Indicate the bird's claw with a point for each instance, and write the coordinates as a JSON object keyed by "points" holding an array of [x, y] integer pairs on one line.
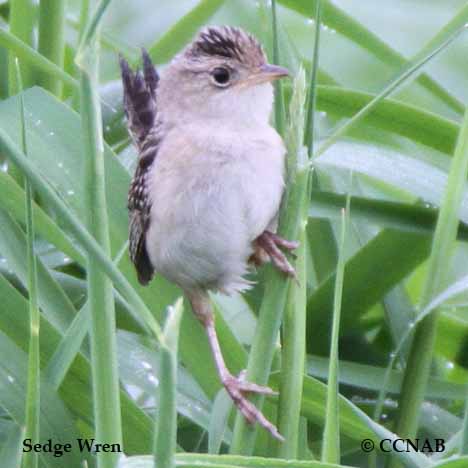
{"points": [[272, 244], [237, 387]]}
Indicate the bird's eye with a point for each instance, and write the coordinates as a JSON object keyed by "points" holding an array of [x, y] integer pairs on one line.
{"points": [[221, 76]]}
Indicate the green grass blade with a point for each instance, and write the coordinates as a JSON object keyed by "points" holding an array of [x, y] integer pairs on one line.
{"points": [[13, 201], [293, 357], [464, 433], [222, 407], [420, 357], [87, 241], [312, 96], [90, 32], [401, 216], [190, 460], [404, 75], [398, 254], [339, 20], [69, 347], [166, 422], [33, 395], [52, 41], [395, 116], [294, 323], [279, 97], [22, 20], [179, 34], [28, 55], [292, 215], [331, 434], [106, 401]]}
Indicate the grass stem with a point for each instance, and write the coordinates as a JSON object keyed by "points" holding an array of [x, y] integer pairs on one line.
{"points": [[420, 356], [52, 41], [106, 395], [33, 393]]}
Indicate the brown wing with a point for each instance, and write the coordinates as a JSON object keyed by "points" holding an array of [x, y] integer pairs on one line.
{"points": [[140, 109]]}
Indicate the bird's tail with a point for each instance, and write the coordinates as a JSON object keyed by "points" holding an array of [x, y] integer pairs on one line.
{"points": [[140, 97]]}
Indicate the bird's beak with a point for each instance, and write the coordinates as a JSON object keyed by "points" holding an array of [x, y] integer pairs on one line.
{"points": [[270, 72], [264, 74]]}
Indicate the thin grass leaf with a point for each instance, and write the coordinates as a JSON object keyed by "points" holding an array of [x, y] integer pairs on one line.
{"points": [[337, 19], [21, 22], [312, 96], [293, 357], [165, 439], [401, 216], [367, 377], [219, 417], [404, 75], [28, 55], [331, 434], [189, 460], [87, 241], [90, 32], [13, 201], [293, 214], [33, 395], [75, 389], [279, 97], [69, 347], [420, 357], [294, 326], [107, 420], [52, 41]]}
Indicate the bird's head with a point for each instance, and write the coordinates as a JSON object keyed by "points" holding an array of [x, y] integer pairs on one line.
{"points": [[222, 74]]}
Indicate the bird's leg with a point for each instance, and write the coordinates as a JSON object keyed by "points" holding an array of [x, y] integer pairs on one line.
{"points": [[272, 244], [236, 387]]}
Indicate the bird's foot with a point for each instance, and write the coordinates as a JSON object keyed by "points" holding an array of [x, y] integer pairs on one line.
{"points": [[237, 388], [272, 244]]}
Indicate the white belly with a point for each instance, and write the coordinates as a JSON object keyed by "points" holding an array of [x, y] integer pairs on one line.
{"points": [[208, 207]]}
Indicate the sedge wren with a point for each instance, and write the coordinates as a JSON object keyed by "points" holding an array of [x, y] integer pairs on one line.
{"points": [[204, 200]]}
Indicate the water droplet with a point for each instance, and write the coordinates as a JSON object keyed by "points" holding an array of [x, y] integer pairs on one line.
{"points": [[310, 21], [107, 128], [51, 133], [146, 365], [411, 325], [392, 355], [60, 164], [384, 416], [10, 378], [66, 259], [70, 193], [38, 122], [153, 379], [449, 365], [4, 166]]}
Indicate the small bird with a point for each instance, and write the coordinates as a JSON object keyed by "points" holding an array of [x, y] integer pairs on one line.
{"points": [[204, 200]]}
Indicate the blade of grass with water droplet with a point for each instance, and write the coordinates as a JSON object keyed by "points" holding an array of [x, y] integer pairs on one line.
{"points": [[106, 396], [420, 356], [33, 394], [339, 20], [166, 419], [403, 76], [331, 434]]}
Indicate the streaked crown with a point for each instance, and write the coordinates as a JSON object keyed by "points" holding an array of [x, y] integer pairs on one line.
{"points": [[227, 42]]}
